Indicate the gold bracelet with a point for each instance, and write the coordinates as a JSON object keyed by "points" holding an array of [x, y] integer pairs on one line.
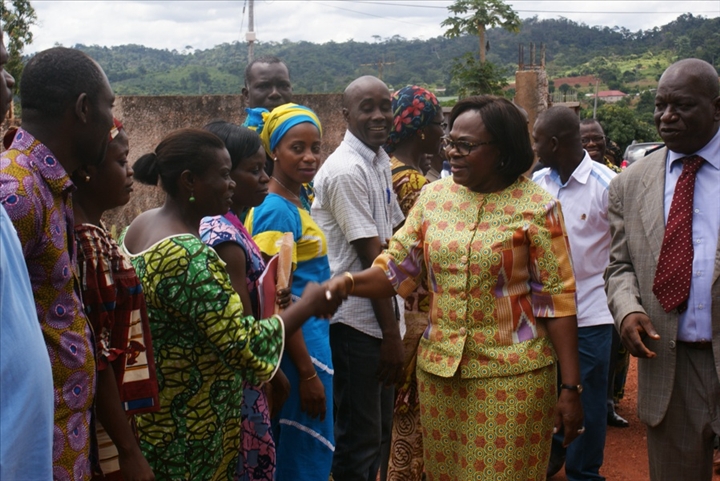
{"points": [[352, 280], [311, 377]]}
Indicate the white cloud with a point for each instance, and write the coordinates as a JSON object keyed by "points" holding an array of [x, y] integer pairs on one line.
{"points": [[204, 24]]}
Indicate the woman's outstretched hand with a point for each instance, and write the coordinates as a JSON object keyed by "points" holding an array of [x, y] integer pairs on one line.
{"points": [[323, 299]]}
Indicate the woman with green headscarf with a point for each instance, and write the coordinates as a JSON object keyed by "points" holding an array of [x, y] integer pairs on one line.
{"points": [[303, 431]]}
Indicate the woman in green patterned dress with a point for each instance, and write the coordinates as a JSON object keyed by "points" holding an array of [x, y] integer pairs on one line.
{"points": [[204, 345], [490, 247]]}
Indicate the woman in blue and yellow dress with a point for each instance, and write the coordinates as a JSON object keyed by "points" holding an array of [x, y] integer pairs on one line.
{"points": [[304, 429]]}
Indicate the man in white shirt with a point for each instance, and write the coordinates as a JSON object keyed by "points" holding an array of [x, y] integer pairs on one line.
{"points": [[356, 208], [581, 185]]}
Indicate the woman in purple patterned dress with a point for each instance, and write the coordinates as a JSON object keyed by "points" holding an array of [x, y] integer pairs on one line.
{"points": [[227, 235]]}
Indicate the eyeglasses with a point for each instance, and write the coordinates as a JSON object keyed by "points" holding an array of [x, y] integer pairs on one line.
{"points": [[594, 140], [441, 124], [462, 147]]}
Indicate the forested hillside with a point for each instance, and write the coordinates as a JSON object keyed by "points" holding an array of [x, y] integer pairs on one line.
{"points": [[622, 59]]}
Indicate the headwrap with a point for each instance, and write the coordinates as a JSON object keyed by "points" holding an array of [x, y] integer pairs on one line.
{"points": [[274, 125], [254, 118], [115, 130], [413, 108]]}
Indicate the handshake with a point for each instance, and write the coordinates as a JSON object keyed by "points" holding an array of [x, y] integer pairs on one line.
{"points": [[326, 298]]}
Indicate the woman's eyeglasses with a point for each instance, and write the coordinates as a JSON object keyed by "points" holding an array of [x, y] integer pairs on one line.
{"points": [[462, 147], [441, 124]]}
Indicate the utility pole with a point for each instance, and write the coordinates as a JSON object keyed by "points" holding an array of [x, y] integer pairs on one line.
{"points": [[597, 83], [250, 35]]}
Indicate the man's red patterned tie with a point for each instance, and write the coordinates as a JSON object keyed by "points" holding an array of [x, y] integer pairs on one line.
{"points": [[674, 270]]}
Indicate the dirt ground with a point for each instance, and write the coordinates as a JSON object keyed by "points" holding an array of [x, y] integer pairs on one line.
{"points": [[626, 448]]}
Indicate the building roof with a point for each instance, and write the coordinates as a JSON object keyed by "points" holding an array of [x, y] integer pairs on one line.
{"points": [[611, 93]]}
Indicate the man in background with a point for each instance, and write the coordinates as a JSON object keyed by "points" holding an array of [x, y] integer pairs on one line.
{"points": [[581, 186], [26, 389], [67, 114], [594, 141], [357, 209], [267, 83]]}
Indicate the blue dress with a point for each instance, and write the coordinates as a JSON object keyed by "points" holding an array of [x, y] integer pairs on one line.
{"points": [[304, 445]]}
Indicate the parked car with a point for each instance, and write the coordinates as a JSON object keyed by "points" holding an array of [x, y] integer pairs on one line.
{"points": [[636, 151]]}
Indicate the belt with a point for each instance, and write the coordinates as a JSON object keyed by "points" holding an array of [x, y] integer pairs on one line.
{"points": [[700, 345]]}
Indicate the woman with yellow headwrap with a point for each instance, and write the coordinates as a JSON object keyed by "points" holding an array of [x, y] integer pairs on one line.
{"points": [[303, 431]]}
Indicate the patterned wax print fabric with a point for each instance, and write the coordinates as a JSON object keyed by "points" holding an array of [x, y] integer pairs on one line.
{"points": [[305, 445], [36, 192], [277, 123], [26, 408], [204, 349], [413, 108], [114, 303], [407, 184], [493, 263], [406, 448], [610, 165], [257, 450], [487, 428]]}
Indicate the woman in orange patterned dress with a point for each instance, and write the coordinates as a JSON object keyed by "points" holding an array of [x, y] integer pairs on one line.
{"points": [[490, 247], [418, 126]]}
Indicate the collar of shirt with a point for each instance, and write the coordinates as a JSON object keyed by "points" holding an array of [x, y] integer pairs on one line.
{"points": [[580, 174], [364, 151], [710, 152], [44, 161]]}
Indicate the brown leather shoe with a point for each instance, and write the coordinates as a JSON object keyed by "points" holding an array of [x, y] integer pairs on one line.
{"points": [[716, 461]]}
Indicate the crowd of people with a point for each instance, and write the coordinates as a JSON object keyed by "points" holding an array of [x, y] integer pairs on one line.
{"points": [[475, 326]]}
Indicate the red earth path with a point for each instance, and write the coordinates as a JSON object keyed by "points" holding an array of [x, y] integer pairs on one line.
{"points": [[626, 448]]}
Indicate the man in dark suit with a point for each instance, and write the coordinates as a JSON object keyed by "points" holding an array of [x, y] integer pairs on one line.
{"points": [[662, 282]]}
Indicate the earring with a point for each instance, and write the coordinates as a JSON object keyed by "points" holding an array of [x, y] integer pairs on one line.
{"points": [[422, 135], [87, 178], [192, 196], [274, 159]]}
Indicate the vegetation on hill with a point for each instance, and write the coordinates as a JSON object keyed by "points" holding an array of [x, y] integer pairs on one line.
{"points": [[621, 59]]}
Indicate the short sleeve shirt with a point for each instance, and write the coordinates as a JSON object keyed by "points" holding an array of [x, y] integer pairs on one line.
{"points": [[354, 199], [584, 199]]}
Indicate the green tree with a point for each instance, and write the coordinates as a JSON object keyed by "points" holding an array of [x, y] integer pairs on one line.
{"points": [[17, 18], [475, 16], [646, 103], [471, 77], [622, 125]]}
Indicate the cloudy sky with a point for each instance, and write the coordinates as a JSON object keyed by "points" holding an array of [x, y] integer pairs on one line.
{"points": [[203, 24]]}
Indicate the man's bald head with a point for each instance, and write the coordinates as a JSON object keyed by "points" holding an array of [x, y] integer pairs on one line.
{"points": [[556, 139], [560, 122], [360, 85], [367, 108], [704, 73]]}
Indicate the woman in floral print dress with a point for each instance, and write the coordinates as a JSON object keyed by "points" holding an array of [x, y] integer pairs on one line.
{"points": [[205, 345]]}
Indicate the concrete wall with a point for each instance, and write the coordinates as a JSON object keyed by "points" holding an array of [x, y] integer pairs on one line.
{"points": [[149, 119], [531, 92]]}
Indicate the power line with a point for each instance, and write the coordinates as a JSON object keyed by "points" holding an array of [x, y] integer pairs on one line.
{"points": [[414, 4], [373, 15]]}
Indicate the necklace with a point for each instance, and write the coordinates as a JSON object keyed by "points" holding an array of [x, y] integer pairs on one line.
{"points": [[288, 190]]}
